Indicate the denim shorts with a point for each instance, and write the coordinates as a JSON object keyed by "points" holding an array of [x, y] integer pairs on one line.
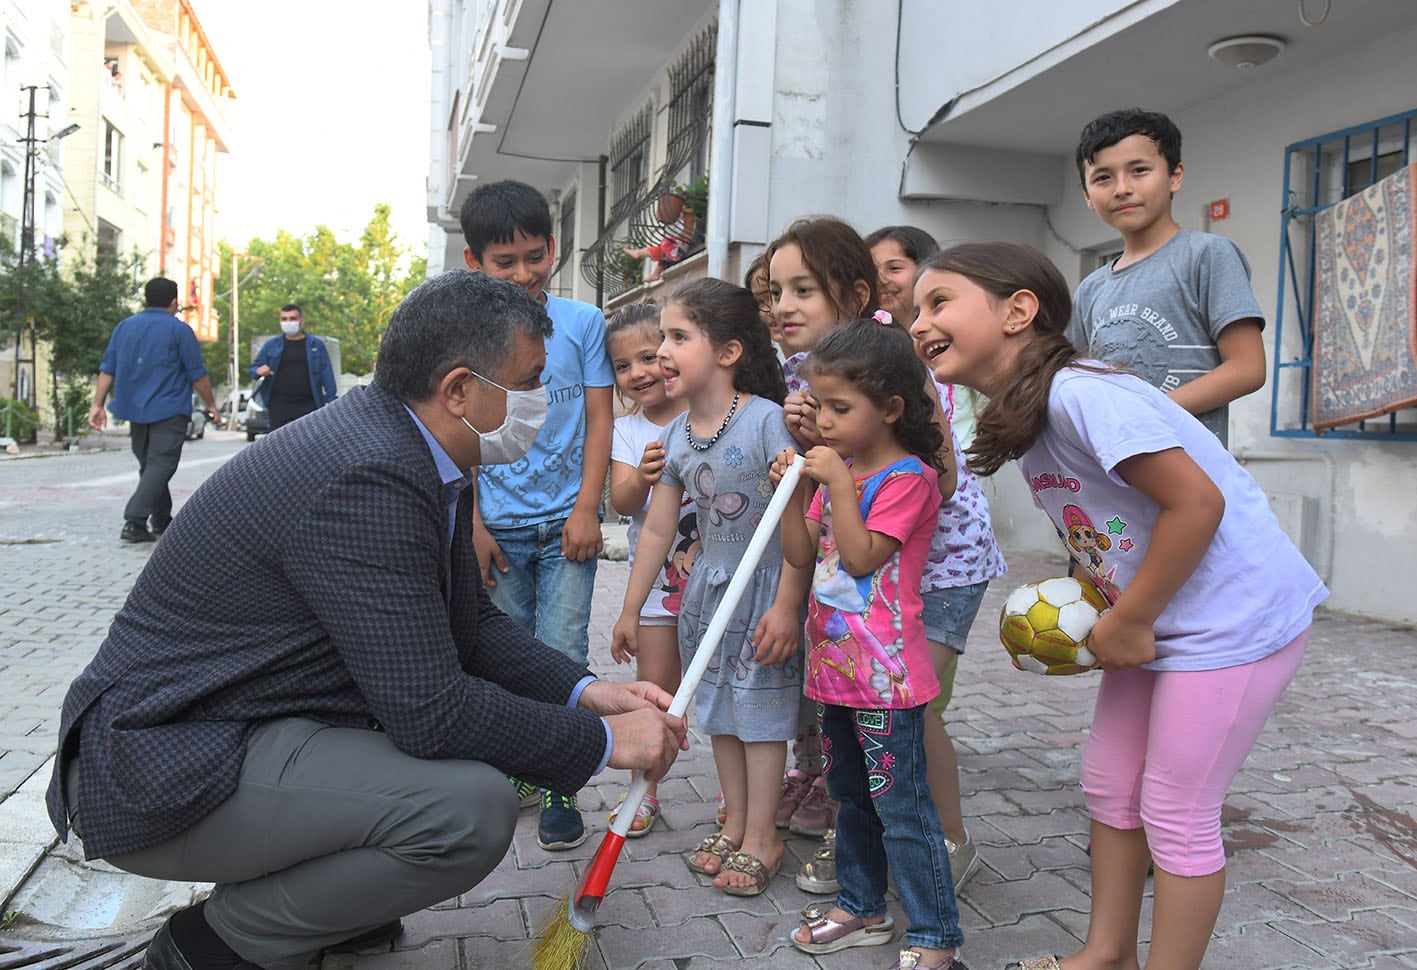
{"points": [[949, 613]]}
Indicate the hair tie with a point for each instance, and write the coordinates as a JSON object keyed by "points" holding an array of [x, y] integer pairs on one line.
{"points": [[883, 317]]}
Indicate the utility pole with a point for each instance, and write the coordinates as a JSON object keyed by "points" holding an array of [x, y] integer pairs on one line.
{"points": [[235, 346], [26, 390]]}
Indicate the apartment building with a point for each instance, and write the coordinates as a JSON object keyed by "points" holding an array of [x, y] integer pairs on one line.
{"points": [[962, 118]]}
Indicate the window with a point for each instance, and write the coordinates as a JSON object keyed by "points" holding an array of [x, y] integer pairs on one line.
{"points": [[1320, 173], [566, 234], [112, 157], [629, 163], [109, 238], [691, 108]]}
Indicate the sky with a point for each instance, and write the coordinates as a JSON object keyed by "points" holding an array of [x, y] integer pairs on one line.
{"points": [[330, 116]]}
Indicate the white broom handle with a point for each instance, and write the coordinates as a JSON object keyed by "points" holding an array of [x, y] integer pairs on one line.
{"points": [[742, 574]]}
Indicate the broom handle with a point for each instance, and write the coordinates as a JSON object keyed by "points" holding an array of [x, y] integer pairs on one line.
{"points": [[742, 573]]}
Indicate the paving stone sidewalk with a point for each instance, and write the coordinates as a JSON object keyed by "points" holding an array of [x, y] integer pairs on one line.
{"points": [[1319, 825]]}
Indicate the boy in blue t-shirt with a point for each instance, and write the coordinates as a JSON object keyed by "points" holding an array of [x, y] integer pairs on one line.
{"points": [[537, 521], [1176, 306]]}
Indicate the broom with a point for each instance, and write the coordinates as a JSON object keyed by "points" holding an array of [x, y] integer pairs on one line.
{"points": [[563, 937]]}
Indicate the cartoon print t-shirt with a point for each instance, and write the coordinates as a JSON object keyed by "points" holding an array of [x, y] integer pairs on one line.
{"points": [[866, 646], [632, 433], [1252, 592]]}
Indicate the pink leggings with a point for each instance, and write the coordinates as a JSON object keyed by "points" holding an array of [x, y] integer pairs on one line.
{"points": [[1165, 746]]}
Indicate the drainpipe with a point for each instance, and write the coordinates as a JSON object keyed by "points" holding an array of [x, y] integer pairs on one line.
{"points": [[725, 85], [602, 166]]}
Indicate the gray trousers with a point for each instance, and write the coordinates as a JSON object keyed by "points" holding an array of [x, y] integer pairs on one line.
{"points": [[331, 832], [158, 448]]}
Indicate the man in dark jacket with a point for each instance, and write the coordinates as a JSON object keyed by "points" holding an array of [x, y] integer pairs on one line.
{"points": [[299, 377], [326, 735]]}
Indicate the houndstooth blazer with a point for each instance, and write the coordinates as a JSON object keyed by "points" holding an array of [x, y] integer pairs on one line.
{"points": [[310, 576]]}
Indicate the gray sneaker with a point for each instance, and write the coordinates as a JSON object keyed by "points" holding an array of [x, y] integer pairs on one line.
{"points": [[964, 860]]}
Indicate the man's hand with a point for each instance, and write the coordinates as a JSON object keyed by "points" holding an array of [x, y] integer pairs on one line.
{"points": [[647, 741], [489, 554], [580, 537], [98, 417], [605, 697], [214, 417], [264, 371]]}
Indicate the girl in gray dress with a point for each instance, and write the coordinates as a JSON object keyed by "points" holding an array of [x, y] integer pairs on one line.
{"points": [[718, 357]]}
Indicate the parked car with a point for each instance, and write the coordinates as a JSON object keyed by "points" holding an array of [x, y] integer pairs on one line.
{"points": [[197, 423], [258, 419]]}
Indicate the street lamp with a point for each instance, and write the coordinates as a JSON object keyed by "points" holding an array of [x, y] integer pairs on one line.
{"points": [[235, 346], [31, 142]]}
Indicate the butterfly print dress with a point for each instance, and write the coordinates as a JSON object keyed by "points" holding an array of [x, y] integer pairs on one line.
{"points": [[730, 488]]}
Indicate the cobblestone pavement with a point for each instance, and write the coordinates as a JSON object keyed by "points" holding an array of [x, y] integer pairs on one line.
{"points": [[1319, 826]]}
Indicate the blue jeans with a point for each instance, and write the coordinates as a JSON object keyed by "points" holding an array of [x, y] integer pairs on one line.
{"points": [[876, 770], [542, 590]]}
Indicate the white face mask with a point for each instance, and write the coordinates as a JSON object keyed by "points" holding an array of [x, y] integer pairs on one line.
{"points": [[526, 413], [290, 327]]}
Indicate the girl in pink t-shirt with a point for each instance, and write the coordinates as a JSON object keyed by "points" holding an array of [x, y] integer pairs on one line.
{"points": [[867, 512]]}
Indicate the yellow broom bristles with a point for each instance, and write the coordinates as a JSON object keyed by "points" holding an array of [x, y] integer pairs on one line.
{"points": [[559, 945]]}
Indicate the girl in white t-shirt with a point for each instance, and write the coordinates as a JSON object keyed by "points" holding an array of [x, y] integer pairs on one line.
{"points": [[1211, 602], [636, 460]]}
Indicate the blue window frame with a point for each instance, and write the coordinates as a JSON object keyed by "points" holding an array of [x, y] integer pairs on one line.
{"points": [[1319, 173]]}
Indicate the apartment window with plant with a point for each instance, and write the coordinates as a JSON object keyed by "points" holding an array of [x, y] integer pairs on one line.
{"points": [[691, 108], [112, 174]]}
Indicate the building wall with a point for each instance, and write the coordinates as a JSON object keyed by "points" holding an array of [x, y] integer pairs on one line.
{"points": [[32, 52], [1361, 526]]}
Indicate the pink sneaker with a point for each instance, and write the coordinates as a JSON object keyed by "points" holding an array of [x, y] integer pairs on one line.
{"points": [[795, 785], [816, 813]]}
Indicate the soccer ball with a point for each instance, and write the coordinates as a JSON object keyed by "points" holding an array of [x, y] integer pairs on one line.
{"points": [[1044, 625]]}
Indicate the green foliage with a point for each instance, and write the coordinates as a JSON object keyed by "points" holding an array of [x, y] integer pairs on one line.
{"points": [[347, 291], [74, 300], [72, 414], [695, 195], [624, 267], [17, 419]]}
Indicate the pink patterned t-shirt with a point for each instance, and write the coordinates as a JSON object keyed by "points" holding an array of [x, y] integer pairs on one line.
{"points": [[866, 646]]}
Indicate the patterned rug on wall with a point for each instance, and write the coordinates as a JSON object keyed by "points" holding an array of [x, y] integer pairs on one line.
{"points": [[1365, 319]]}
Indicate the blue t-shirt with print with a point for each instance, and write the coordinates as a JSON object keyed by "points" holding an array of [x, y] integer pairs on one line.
{"points": [[543, 486]]}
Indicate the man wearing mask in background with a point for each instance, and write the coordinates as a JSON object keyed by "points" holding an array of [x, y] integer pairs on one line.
{"points": [[297, 369], [328, 743]]}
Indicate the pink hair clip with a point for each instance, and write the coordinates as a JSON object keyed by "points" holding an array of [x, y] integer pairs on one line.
{"points": [[883, 317]]}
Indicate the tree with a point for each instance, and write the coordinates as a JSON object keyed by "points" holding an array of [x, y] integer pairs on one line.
{"points": [[346, 290], [74, 309]]}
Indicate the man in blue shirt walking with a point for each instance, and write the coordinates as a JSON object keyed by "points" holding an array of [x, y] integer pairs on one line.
{"points": [[152, 366]]}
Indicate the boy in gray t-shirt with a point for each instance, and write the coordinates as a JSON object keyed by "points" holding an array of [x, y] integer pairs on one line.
{"points": [[1176, 306]]}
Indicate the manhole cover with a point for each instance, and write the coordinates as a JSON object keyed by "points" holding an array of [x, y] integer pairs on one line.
{"points": [[124, 953]]}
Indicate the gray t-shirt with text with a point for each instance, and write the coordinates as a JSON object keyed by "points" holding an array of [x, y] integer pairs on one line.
{"points": [[1161, 316]]}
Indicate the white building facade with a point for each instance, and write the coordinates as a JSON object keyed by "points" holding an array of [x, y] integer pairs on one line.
{"points": [[962, 118]]}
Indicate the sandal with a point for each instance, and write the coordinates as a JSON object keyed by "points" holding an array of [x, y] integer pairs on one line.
{"points": [[910, 960], [1036, 963], [828, 936], [751, 866], [718, 845], [722, 810], [645, 815]]}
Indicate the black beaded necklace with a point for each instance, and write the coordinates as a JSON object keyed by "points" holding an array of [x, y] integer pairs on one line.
{"points": [[693, 442]]}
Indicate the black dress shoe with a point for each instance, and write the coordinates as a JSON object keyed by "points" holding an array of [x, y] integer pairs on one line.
{"points": [[381, 935], [162, 951], [158, 528], [136, 532], [163, 954]]}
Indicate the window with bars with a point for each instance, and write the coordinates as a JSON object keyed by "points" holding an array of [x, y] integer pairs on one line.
{"points": [[691, 106], [629, 162], [566, 233], [1320, 173]]}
